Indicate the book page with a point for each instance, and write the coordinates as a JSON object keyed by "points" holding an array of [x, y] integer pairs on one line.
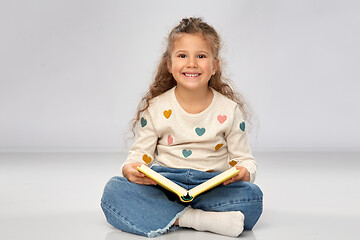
{"points": [[163, 181]]}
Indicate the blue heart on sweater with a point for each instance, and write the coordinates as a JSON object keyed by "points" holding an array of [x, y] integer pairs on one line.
{"points": [[200, 131], [186, 153], [143, 122], [242, 126]]}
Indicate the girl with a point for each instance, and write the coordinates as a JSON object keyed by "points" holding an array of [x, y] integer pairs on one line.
{"points": [[190, 127]]}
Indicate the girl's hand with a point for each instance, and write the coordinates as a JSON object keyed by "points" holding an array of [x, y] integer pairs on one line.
{"points": [[131, 172], [243, 176]]}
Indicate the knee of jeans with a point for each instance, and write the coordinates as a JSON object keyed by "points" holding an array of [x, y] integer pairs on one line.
{"points": [[113, 187], [254, 191]]}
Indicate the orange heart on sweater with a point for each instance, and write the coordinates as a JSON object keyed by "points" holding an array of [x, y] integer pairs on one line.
{"points": [[147, 159], [167, 113], [217, 147], [233, 163]]}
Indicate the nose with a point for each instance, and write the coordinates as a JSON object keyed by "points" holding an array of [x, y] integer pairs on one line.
{"points": [[192, 63]]}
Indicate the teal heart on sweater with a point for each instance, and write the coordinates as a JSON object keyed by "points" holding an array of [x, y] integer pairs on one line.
{"points": [[186, 152], [242, 126], [200, 131], [143, 122]]}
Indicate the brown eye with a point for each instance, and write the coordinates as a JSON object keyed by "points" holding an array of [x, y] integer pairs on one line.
{"points": [[202, 56], [182, 56]]}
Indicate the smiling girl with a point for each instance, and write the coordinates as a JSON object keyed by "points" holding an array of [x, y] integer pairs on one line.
{"points": [[190, 126]]}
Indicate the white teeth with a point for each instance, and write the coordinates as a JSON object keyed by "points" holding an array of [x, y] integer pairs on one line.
{"points": [[191, 75]]}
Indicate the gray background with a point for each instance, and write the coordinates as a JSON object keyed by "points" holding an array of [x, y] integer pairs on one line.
{"points": [[73, 72]]}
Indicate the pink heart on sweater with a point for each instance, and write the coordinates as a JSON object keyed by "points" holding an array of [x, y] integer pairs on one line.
{"points": [[170, 140], [221, 118]]}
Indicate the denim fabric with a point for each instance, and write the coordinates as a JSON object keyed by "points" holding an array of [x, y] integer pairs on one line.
{"points": [[151, 210]]}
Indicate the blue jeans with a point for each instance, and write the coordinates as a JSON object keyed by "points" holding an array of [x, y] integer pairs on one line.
{"points": [[151, 210]]}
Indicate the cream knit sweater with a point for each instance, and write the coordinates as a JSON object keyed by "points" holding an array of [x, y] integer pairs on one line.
{"points": [[212, 140]]}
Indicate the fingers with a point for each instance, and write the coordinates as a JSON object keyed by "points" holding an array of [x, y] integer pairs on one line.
{"points": [[234, 179], [243, 175], [137, 173], [143, 181], [133, 175], [140, 179], [226, 182]]}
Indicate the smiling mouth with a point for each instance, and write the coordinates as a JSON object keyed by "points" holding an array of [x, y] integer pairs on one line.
{"points": [[191, 74]]}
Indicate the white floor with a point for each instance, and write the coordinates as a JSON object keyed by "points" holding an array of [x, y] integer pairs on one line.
{"points": [[57, 196]]}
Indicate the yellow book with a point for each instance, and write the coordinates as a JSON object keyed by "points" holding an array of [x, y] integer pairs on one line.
{"points": [[184, 195]]}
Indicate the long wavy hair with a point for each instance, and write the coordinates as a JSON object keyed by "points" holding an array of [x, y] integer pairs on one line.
{"points": [[164, 80]]}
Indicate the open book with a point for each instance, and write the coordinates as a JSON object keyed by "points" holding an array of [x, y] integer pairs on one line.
{"points": [[184, 195]]}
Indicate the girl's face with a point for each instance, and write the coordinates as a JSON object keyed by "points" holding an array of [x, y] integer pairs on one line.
{"points": [[192, 62]]}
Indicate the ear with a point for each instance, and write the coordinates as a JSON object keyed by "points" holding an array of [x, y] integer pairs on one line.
{"points": [[168, 63], [216, 66]]}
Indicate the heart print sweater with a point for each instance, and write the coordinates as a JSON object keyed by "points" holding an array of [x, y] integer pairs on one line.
{"points": [[212, 140]]}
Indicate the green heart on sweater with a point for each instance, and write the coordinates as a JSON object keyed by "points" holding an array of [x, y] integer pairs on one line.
{"points": [[143, 122], [200, 131], [186, 153], [242, 126]]}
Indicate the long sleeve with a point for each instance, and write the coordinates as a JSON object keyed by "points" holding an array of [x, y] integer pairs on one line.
{"points": [[143, 149], [239, 147]]}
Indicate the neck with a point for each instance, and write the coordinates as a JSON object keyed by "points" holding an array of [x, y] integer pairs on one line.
{"points": [[194, 101], [192, 96]]}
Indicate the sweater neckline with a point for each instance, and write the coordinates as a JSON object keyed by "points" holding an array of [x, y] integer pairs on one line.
{"points": [[193, 115]]}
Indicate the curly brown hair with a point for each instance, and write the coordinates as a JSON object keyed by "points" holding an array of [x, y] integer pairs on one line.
{"points": [[164, 80]]}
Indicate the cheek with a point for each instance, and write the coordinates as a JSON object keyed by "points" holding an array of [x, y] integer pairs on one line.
{"points": [[175, 68], [210, 68]]}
